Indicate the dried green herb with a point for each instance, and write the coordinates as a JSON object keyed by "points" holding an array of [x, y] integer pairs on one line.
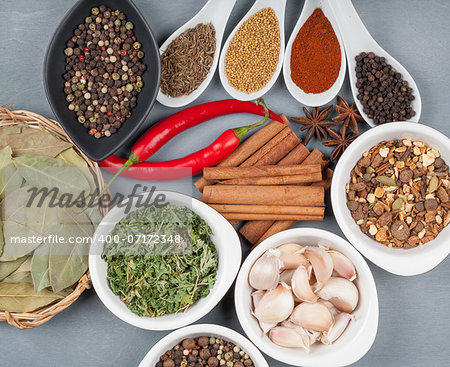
{"points": [[21, 297], [31, 141], [187, 60], [155, 285]]}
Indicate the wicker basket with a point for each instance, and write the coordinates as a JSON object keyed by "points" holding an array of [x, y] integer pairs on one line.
{"points": [[38, 317]]}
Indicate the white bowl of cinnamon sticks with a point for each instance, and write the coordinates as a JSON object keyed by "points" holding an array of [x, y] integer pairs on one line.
{"points": [[358, 336], [270, 181]]}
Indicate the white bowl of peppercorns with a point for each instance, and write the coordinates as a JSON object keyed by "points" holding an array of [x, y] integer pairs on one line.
{"points": [[204, 345], [390, 196]]}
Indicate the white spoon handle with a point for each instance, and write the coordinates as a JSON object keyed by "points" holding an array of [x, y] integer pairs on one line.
{"points": [[219, 11], [353, 31]]}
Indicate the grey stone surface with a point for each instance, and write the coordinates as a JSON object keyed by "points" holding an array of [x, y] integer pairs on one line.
{"points": [[414, 319]]}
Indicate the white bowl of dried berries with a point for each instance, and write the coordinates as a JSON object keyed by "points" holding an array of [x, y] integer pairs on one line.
{"points": [[390, 196]]}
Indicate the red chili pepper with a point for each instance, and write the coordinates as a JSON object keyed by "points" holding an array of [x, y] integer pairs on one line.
{"points": [[211, 155], [160, 133]]}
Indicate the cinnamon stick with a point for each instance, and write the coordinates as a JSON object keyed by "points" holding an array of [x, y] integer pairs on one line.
{"points": [[271, 144], [263, 217], [316, 157], [278, 152], [277, 226], [249, 146], [254, 231], [276, 180], [264, 195], [271, 209], [326, 179], [224, 173]]}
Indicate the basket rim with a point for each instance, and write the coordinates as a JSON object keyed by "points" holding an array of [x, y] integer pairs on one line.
{"points": [[28, 320]]}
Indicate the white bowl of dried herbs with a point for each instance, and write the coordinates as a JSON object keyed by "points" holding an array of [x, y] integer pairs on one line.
{"points": [[390, 196], [162, 267]]}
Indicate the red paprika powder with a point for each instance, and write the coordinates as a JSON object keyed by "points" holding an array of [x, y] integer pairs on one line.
{"points": [[316, 55]]}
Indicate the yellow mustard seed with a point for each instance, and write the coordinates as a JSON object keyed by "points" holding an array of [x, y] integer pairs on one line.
{"points": [[252, 56]]}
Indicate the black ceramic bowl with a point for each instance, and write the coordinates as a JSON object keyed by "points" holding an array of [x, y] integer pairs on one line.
{"points": [[99, 149]]}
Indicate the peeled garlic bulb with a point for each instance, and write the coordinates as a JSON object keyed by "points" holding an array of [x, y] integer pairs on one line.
{"points": [[342, 265], [291, 256], [276, 305], [301, 287], [341, 292], [265, 272], [322, 264], [256, 297], [289, 337], [341, 321], [313, 316], [286, 276]]}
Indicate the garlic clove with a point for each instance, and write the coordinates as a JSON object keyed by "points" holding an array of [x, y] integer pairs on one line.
{"points": [[288, 337], [292, 256], [256, 297], [330, 306], [276, 305], [265, 272], [313, 316], [342, 265], [322, 264], [340, 324], [341, 292], [286, 276], [313, 335], [301, 287]]}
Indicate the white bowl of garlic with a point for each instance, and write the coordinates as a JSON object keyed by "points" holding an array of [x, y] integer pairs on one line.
{"points": [[306, 297]]}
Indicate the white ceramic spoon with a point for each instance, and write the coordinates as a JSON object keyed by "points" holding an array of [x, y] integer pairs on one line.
{"points": [[279, 7], [357, 39], [217, 12], [311, 99]]}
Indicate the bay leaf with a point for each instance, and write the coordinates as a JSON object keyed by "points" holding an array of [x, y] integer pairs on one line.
{"points": [[19, 277], [9, 267], [39, 267], [45, 172], [21, 297], [71, 157], [32, 141], [10, 179], [22, 274], [9, 130], [22, 222], [69, 261]]}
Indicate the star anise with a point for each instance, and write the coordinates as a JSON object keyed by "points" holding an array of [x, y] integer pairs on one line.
{"points": [[339, 140], [348, 114], [315, 122]]}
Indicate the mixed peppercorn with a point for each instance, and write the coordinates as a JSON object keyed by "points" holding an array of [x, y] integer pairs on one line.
{"points": [[104, 71], [205, 351], [399, 193]]}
